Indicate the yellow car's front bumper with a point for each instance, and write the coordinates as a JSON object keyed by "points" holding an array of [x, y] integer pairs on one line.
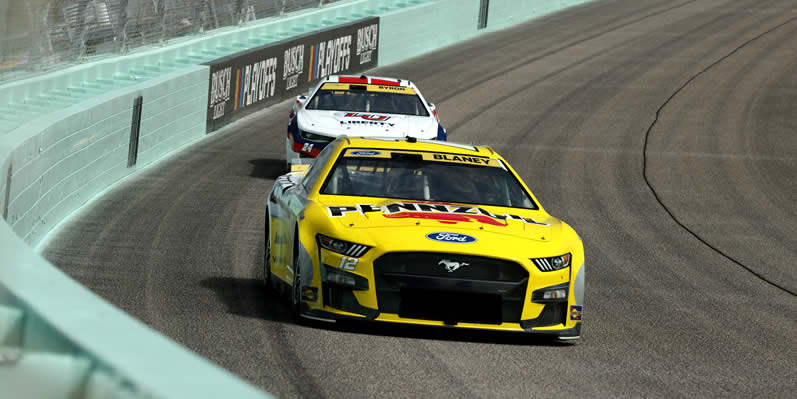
{"points": [[560, 331]]}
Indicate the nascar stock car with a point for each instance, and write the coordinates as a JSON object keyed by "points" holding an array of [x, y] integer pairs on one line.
{"points": [[421, 232], [357, 106]]}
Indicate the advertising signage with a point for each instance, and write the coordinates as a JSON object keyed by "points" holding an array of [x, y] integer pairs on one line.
{"points": [[253, 79]]}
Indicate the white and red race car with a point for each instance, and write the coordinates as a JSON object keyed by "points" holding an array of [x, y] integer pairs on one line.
{"points": [[358, 106]]}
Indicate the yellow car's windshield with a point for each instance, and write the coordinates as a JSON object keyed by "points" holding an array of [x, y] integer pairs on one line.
{"points": [[426, 177]]}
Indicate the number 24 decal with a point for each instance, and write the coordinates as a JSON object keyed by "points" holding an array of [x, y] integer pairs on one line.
{"points": [[307, 147], [347, 263]]}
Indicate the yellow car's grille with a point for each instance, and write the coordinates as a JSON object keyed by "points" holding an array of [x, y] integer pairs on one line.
{"points": [[450, 287]]}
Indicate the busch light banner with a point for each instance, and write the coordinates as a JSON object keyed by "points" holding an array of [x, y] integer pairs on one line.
{"points": [[256, 78]]}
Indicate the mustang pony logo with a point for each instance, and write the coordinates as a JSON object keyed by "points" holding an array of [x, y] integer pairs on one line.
{"points": [[451, 266]]}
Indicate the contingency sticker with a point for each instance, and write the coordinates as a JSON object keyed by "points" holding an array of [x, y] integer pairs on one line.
{"points": [[354, 152], [310, 294], [575, 312]]}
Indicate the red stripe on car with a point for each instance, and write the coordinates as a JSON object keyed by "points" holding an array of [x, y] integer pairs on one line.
{"points": [[446, 217], [344, 79], [384, 82]]}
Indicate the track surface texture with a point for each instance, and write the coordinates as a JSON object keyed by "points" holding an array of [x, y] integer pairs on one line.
{"points": [[663, 131]]}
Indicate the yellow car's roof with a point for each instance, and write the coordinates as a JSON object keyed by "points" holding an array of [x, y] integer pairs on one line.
{"points": [[402, 144]]}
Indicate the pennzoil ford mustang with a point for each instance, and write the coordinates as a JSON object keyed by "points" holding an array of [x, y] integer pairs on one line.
{"points": [[421, 232], [357, 106]]}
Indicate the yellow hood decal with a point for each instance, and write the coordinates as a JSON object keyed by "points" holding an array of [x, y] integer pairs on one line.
{"points": [[355, 212], [440, 211]]}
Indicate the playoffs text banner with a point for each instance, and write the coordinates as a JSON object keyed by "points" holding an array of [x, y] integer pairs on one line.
{"points": [[256, 78]]}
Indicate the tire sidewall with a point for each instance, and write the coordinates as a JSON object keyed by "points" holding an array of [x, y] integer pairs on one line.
{"points": [[296, 286], [267, 254]]}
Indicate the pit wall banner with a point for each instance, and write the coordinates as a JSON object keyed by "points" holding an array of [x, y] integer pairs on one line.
{"points": [[254, 79]]}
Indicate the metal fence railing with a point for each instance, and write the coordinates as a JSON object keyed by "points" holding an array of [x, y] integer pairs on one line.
{"points": [[37, 35]]}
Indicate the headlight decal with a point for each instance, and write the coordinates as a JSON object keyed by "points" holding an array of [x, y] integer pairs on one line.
{"points": [[356, 250], [552, 263], [342, 247]]}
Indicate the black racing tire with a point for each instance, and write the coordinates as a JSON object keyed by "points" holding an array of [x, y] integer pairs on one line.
{"points": [[296, 287], [267, 254]]}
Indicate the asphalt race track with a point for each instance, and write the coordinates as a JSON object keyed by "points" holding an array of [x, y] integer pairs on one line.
{"points": [[664, 131]]}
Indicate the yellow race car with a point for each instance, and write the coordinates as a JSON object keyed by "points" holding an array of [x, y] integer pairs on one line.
{"points": [[421, 232]]}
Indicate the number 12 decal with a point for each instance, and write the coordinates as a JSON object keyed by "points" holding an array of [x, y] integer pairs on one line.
{"points": [[347, 263]]}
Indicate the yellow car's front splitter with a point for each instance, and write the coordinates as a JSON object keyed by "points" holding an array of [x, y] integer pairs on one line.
{"points": [[559, 331]]}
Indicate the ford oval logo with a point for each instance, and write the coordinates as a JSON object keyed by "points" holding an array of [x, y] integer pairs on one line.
{"points": [[366, 153], [451, 237]]}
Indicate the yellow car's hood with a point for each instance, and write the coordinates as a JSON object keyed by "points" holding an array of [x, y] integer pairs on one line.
{"points": [[443, 217]]}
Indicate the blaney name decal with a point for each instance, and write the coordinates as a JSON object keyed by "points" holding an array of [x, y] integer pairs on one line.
{"points": [[461, 158], [440, 212], [458, 158]]}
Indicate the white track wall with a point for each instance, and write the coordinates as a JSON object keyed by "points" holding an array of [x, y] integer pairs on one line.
{"points": [[61, 161]]}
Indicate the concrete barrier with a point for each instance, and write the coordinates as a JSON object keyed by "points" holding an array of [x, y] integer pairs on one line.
{"points": [[58, 340], [65, 137], [441, 23], [51, 328]]}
